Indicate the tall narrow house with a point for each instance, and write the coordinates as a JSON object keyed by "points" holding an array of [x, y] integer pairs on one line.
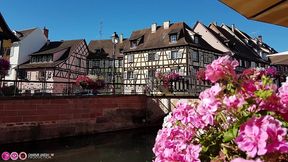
{"points": [[170, 47], [57, 61], [30, 41], [101, 62]]}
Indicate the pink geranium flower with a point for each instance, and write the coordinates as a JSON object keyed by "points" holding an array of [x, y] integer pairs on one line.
{"points": [[259, 136], [223, 67]]}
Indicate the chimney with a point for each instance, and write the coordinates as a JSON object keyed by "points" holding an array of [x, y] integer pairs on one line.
{"points": [[46, 32], [121, 38], [166, 24], [233, 28], [153, 28]]}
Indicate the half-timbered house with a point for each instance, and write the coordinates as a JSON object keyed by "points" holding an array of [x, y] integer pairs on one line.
{"points": [[58, 61], [7, 37], [171, 47], [101, 61], [225, 39]]}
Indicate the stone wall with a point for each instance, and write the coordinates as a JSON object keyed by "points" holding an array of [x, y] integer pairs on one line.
{"points": [[26, 119]]}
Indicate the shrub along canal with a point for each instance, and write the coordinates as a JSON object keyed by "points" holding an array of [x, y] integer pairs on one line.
{"points": [[122, 146]]}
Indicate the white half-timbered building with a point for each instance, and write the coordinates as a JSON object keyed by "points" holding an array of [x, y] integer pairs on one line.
{"points": [[58, 61], [171, 47]]}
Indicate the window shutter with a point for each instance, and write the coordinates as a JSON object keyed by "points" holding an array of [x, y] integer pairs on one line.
{"points": [[125, 75], [168, 54], [157, 56], [179, 54]]}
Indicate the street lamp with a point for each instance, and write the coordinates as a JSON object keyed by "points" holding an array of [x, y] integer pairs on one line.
{"points": [[115, 40]]}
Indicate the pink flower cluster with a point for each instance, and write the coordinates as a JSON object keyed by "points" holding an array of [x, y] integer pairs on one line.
{"points": [[259, 136], [90, 82], [222, 68], [283, 95], [167, 77], [246, 98], [175, 145]]}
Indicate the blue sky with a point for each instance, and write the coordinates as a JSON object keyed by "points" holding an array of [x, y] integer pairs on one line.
{"points": [[75, 19]]}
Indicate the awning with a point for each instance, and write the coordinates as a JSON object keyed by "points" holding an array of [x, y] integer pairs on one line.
{"points": [[279, 58], [269, 11]]}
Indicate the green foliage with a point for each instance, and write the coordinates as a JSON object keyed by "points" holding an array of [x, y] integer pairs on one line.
{"points": [[263, 94], [230, 134]]}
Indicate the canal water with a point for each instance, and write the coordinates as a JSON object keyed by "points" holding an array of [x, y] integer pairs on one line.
{"points": [[123, 146]]}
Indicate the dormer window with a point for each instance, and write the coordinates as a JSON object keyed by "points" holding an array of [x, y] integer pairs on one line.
{"points": [[133, 43], [173, 38], [97, 50]]}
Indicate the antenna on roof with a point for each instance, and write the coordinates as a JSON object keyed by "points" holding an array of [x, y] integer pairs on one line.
{"points": [[100, 29]]}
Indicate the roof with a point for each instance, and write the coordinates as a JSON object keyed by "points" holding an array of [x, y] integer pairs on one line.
{"points": [[104, 48], [24, 33], [239, 49], [56, 46], [51, 48], [7, 33], [160, 39]]}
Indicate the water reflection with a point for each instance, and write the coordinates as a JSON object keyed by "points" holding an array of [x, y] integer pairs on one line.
{"points": [[125, 146]]}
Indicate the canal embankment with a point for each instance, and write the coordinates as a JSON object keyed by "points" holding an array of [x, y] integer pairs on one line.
{"points": [[37, 118]]}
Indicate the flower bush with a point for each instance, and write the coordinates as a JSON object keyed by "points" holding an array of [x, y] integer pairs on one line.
{"points": [[90, 82], [4, 67], [241, 118], [167, 78]]}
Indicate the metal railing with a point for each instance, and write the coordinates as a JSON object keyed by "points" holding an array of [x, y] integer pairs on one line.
{"points": [[10, 88]]}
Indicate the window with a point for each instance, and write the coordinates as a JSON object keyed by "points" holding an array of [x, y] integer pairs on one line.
{"points": [[120, 63], [195, 56], [196, 39], [121, 50], [97, 50], [151, 56], [41, 75], [207, 58], [151, 73], [173, 38], [134, 44], [130, 75], [174, 55], [78, 62], [248, 64], [130, 58]]}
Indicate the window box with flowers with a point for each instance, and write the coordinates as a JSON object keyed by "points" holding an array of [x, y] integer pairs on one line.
{"points": [[90, 83], [165, 80]]}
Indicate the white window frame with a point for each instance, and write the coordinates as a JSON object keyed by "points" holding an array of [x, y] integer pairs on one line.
{"points": [[173, 38], [130, 58], [174, 55]]}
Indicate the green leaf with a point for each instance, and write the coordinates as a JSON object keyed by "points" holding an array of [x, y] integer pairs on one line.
{"points": [[264, 94], [230, 134]]}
